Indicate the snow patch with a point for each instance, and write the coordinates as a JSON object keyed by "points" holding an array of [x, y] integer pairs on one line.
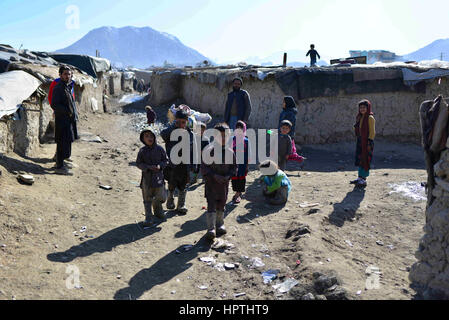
{"points": [[410, 189], [131, 98]]}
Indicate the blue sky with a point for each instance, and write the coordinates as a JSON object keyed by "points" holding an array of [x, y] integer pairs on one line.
{"points": [[232, 30]]}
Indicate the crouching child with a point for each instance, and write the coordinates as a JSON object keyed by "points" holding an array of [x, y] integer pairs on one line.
{"points": [[217, 171], [277, 186], [152, 160]]}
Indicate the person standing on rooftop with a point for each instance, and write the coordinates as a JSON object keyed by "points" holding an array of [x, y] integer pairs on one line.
{"points": [[313, 54]]}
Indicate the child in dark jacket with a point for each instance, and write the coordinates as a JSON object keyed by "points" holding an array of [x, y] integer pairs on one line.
{"points": [[284, 144], [240, 146], [151, 115], [217, 174], [178, 175], [152, 160], [204, 143]]}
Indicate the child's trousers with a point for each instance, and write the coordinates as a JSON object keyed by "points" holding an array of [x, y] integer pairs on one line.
{"points": [[278, 197]]}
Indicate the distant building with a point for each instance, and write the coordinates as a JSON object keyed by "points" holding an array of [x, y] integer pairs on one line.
{"points": [[375, 55]]}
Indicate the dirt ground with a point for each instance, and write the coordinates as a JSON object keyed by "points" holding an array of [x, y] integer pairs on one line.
{"points": [[62, 223]]}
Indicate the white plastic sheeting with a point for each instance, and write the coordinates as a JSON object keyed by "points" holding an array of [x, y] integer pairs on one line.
{"points": [[15, 87]]}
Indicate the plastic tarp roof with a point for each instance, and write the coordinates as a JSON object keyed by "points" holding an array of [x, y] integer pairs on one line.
{"points": [[411, 77], [88, 64], [8, 54], [15, 87]]}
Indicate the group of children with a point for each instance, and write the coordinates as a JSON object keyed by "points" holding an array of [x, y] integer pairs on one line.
{"points": [[156, 166]]}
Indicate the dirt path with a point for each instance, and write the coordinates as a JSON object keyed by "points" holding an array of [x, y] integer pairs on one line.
{"points": [[41, 242]]}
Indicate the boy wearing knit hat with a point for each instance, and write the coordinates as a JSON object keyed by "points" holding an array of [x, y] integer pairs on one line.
{"points": [[178, 175]]}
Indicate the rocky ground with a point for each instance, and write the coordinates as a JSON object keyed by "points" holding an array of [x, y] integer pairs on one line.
{"points": [[323, 241]]}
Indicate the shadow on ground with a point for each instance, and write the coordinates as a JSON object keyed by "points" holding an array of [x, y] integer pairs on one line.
{"points": [[346, 210], [12, 165], [162, 271], [120, 236]]}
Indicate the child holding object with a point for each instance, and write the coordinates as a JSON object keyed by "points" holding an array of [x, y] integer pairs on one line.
{"points": [[277, 186], [217, 172], [365, 131], [152, 160]]}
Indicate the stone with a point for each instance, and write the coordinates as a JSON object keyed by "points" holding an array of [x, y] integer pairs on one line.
{"points": [[338, 293], [323, 283], [308, 297]]}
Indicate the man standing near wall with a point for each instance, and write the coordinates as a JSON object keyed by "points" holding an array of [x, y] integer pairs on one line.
{"points": [[238, 104], [63, 104], [72, 85]]}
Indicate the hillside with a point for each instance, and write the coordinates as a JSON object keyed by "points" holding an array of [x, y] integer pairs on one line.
{"points": [[137, 47]]}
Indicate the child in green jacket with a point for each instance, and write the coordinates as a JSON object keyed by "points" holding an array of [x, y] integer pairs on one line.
{"points": [[277, 185]]}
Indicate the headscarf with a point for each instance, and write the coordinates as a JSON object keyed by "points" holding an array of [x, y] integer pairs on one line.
{"points": [[289, 102], [239, 138]]}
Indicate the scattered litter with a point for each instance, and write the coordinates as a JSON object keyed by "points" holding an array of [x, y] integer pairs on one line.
{"points": [[106, 187], [220, 267], [119, 276], [380, 243], [26, 178], [308, 205], [390, 246], [83, 229], [286, 286], [257, 263], [329, 260], [202, 287], [229, 266], [222, 244], [239, 294], [173, 292], [298, 262], [349, 243], [359, 292], [411, 189], [270, 275], [313, 211], [208, 260], [321, 263], [188, 248]]}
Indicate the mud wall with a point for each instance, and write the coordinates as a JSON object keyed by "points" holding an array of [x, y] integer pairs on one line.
{"points": [[320, 120], [34, 121], [431, 274]]}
